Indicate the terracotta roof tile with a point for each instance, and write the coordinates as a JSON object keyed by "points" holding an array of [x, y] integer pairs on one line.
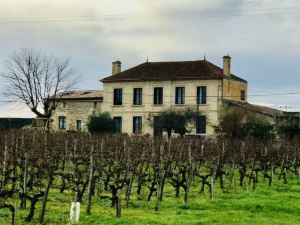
{"points": [[79, 95], [255, 108], [178, 70]]}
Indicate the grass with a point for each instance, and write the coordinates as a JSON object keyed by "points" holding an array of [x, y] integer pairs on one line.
{"points": [[276, 205]]}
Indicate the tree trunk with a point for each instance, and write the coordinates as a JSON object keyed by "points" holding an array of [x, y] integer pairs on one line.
{"points": [[43, 209], [91, 175]]}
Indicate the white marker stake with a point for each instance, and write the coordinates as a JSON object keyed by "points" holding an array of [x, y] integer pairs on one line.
{"points": [[75, 212]]}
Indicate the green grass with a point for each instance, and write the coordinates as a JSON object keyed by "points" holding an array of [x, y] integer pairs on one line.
{"points": [[275, 205]]}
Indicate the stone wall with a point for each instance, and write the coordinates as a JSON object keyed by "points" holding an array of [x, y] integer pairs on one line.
{"points": [[75, 110]]}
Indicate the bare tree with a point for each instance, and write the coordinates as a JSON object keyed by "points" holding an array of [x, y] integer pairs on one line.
{"points": [[32, 78]]}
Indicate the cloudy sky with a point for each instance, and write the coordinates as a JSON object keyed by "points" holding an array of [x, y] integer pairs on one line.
{"points": [[261, 36]]}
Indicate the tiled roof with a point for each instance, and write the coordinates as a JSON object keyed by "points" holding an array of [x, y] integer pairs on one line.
{"points": [[255, 108], [178, 70], [79, 95]]}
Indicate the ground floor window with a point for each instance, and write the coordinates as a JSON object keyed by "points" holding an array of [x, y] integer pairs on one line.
{"points": [[62, 122], [117, 124], [156, 126], [78, 125], [137, 124], [201, 125]]}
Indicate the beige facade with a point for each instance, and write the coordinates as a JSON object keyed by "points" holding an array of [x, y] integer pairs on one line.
{"points": [[220, 84], [127, 110]]}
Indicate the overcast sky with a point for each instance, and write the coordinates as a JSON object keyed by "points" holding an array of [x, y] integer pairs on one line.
{"points": [[261, 36]]}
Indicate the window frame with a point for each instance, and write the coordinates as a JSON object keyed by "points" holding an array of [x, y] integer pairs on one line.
{"points": [[118, 96], [158, 93], [201, 95], [78, 122], [117, 129], [62, 123], [137, 125], [137, 96], [180, 95], [203, 128], [243, 95]]}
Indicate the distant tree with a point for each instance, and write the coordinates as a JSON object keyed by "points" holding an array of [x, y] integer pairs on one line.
{"points": [[101, 124], [172, 120], [238, 123], [32, 78], [258, 127], [288, 130], [232, 123]]}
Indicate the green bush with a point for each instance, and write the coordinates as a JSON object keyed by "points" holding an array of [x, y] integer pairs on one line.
{"points": [[101, 124]]}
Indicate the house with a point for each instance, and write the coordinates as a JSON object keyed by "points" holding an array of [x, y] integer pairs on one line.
{"points": [[74, 109], [131, 96], [135, 95]]}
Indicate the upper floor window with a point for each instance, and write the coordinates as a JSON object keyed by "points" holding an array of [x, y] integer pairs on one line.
{"points": [[118, 96], [137, 96], [201, 125], [243, 95], [62, 122], [158, 96], [137, 124], [78, 125], [117, 124], [201, 95], [179, 95]]}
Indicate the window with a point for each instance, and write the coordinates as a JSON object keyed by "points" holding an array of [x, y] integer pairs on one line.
{"points": [[118, 96], [243, 95], [201, 125], [201, 95], [156, 126], [137, 96], [62, 122], [78, 125], [64, 105], [158, 96], [179, 95], [117, 124], [137, 124]]}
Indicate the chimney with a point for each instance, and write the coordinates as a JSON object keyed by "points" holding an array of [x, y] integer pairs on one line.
{"points": [[227, 65], [116, 67]]}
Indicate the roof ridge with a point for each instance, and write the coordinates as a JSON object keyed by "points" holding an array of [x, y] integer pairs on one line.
{"points": [[210, 66]]}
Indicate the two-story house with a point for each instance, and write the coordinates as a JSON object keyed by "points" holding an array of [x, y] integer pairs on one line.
{"points": [[131, 96]]}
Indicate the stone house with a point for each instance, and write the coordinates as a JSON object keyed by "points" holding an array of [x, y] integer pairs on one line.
{"points": [[74, 109], [151, 87]]}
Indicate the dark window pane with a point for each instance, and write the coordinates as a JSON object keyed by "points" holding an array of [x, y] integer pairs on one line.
{"points": [[156, 126], [117, 124], [201, 95], [137, 96], [78, 125], [201, 125], [62, 122], [243, 95], [179, 95], [158, 96], [137, 124], [118, 96]]}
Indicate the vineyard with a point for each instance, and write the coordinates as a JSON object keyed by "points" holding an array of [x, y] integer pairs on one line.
{"points": [[118, 173]]}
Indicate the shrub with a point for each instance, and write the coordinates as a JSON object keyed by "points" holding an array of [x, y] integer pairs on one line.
{"points": [[101, 124]]}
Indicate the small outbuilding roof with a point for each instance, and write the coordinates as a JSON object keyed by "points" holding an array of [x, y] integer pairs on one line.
{"points": [[79, 95], [255, 108]]}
